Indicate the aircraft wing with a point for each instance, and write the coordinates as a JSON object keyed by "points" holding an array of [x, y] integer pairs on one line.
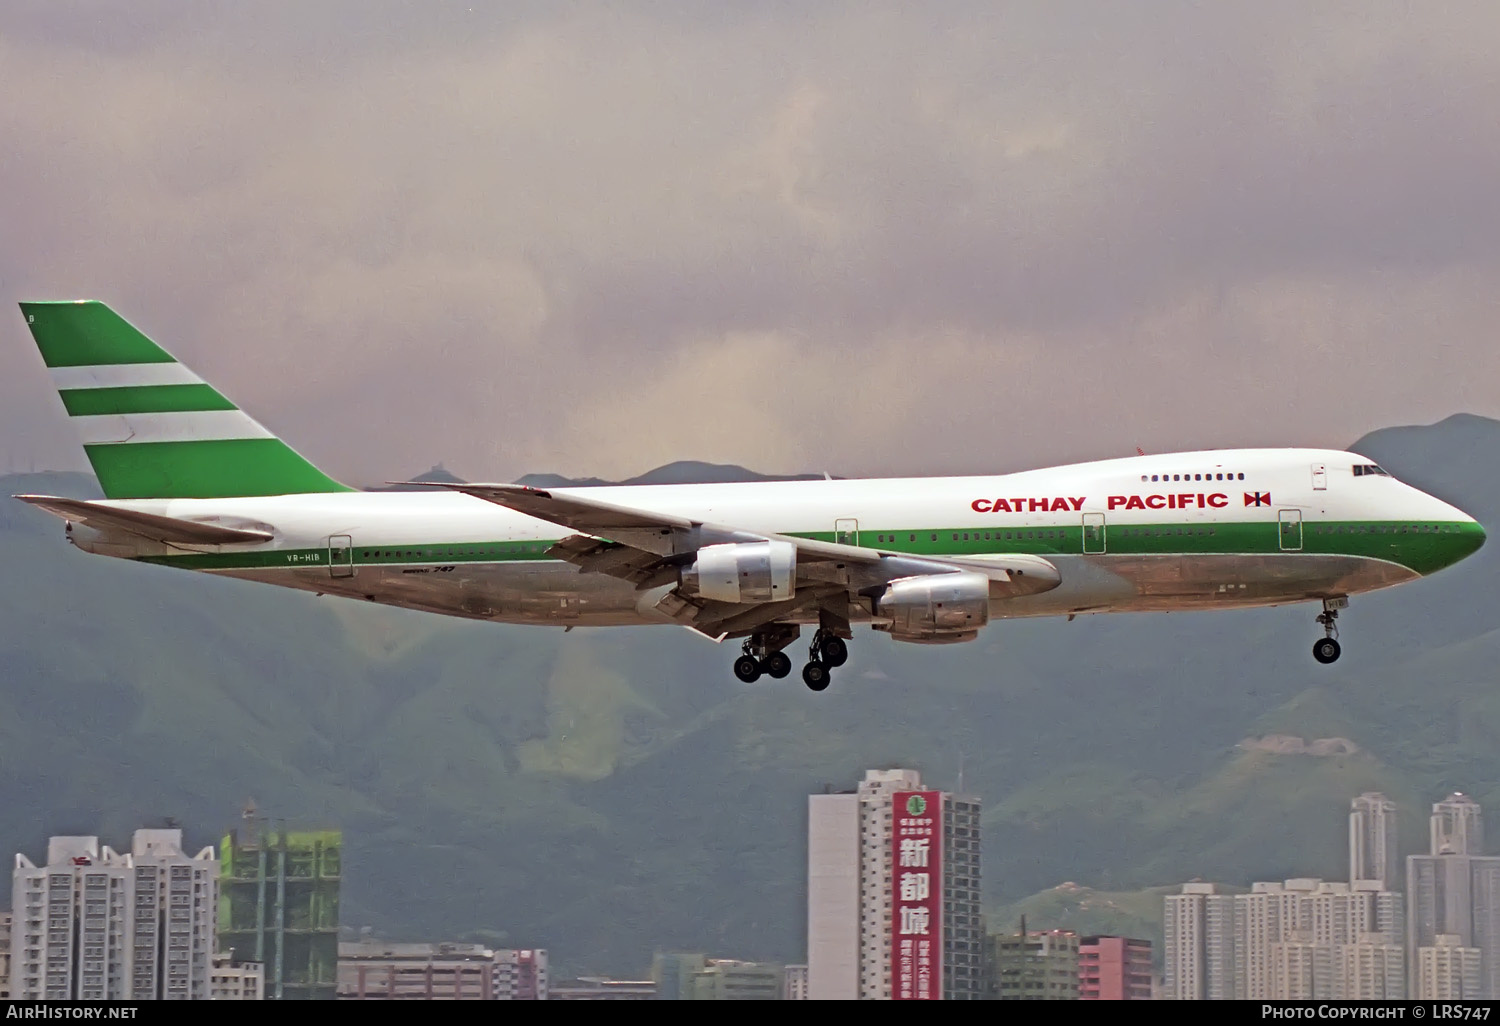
{"points": [[170, 530], [648, 549]]}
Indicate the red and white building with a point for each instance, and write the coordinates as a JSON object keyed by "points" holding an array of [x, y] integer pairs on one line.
{"points": [[1114, 969], [894, 892]]}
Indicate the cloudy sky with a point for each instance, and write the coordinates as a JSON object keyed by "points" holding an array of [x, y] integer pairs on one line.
{"points": [[591, 238]]}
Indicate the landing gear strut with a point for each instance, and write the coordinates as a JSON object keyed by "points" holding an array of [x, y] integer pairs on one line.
{"points": [[762, 653], [1327, 649], [828, 651]]}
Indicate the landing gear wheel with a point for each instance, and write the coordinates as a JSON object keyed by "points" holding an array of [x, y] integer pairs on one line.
{"points": [[1327, 650], [747, 669], [777, 665], [815, 676], [834, 651]]}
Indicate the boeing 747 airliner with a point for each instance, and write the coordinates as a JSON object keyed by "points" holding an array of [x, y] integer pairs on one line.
{"points": [[193, 482]]}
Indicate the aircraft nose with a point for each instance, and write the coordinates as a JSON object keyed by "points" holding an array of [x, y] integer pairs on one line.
{"points": [[1473, 531], [1458, 537], [1467, 538]]}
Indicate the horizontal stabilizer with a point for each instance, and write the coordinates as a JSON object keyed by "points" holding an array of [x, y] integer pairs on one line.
{"points": [[147, 525]]}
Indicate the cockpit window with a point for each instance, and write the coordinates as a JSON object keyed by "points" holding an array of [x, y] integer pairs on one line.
{"points": [[1368, 469]]}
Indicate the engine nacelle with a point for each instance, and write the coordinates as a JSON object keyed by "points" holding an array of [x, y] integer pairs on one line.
{"points": [[743, 572], [936, 607]]}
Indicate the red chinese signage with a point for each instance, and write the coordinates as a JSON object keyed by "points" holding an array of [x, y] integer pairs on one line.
{"points": [[917, 896]]}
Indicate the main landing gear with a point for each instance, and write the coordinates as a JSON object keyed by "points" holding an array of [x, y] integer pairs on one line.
{"points": [[828, 651], [1327, 649], [762, 654]]}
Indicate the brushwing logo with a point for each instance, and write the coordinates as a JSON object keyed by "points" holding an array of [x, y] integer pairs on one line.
{"points": [[1257, 498], [916, 805]]}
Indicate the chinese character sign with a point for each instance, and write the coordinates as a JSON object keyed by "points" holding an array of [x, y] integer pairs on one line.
{"points": [[917, 896]]}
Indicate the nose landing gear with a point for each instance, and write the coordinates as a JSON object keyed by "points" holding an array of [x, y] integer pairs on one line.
{"points": [[1327, 648]]}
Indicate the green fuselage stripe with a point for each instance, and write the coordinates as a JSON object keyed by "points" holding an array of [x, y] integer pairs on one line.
{"points": [[1422, 547], [93, 402]]}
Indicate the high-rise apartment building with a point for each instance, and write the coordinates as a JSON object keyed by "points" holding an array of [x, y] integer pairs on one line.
{"points": [[521, 974], [1200, 944], [1034, 965], [1457, 827], [894, 892], [1297, 939], [92, 924], [1114, 969], [1372, 841], [4, 956], [1373, 968], [1447, 970], [794, 983], [279, 906], [1455, 890], [833, 897]]}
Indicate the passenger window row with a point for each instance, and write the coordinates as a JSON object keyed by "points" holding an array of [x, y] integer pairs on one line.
{"points": [[1386, 529], [1158, 532], [1193, 477], [982, 536]]}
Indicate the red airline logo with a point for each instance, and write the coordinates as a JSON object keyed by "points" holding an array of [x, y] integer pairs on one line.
{"points": [[1026, 504], [1073, 504], [1182, 500]]}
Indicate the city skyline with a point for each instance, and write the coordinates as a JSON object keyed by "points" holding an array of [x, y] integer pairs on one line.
{"points": [[1294, 939], [1306, 938]]}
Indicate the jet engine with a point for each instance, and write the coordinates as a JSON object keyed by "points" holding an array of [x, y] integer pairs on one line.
{"points": [[743, 572], [936, 608]]}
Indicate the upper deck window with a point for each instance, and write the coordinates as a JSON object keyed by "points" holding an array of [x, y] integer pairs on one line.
{"points": [[1367, 469]]}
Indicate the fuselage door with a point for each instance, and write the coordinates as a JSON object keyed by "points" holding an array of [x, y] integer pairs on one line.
{"points": [[1290, 529], [846, 532], [340, 555], [1093, 533], [1320, 477]]}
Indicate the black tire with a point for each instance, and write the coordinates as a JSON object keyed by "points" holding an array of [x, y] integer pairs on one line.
{"points": [[835, 652], [747, 669], [815, 676], [1326, 651], [777, 665]]}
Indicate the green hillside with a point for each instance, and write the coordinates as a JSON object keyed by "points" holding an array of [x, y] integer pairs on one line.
{"points": [[607, 793]]}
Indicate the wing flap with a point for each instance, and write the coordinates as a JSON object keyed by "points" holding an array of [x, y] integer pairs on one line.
{"points": [[147, 525]]}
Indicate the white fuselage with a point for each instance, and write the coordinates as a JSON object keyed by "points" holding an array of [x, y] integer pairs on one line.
{"points": [[1208, 529]]}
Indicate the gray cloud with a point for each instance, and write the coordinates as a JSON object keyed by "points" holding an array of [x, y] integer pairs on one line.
{"points": [[869, 239]]}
